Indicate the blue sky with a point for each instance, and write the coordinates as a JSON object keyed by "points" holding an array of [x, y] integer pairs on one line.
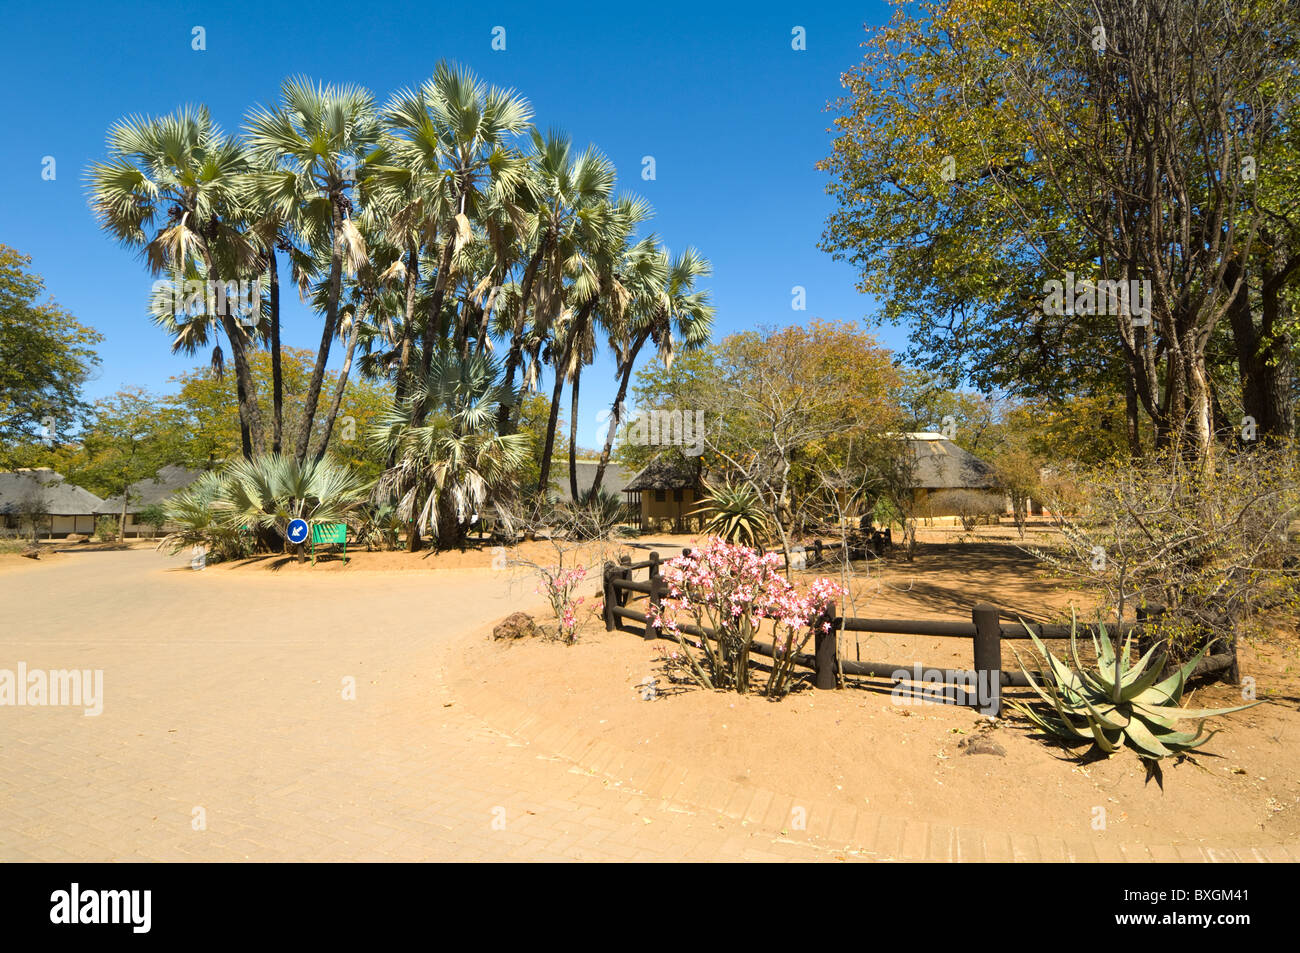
{"points": [[734, 117]]}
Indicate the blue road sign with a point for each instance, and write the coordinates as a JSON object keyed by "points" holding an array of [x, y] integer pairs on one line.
{"points": [[297, 532]]}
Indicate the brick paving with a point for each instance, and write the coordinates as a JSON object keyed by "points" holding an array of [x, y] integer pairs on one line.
{"points": [[225, 736]]}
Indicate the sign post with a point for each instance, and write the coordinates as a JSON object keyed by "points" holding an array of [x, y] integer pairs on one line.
{"points": [[329, 533], [296, 532]]}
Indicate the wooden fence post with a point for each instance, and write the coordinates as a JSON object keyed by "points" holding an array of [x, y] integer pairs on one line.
{"points": [[657, 589], [611, 621], [988, 659], [625, 574], [828, 667]]}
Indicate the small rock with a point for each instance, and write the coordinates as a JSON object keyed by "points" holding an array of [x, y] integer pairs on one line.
{"points": [[981, 746], [517, 625]]}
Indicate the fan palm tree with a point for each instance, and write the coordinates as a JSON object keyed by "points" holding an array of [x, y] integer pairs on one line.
{"points": [[268, 492], [449, 467], [271, 226], [197, 524], [618, 267], [172, 187], [263, 494], [371, 297], [452, 133], [405, 172], [673, 305], [315, 143], [570, 191]]}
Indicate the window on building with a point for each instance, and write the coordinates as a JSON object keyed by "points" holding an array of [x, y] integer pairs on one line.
{"points": [[659, 496], [677, 496]]}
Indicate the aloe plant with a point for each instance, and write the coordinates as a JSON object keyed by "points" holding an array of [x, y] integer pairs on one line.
{"points": [[735, 513], [1121, 701]]}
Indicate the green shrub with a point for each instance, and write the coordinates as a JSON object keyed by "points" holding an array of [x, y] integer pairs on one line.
{"points": [[596, 516], [153, 515], [1207, 544], [229, 511]]}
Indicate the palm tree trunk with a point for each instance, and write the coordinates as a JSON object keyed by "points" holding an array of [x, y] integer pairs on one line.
{"points": [[512, 364], [616, 410], [245, 435], [408, 323], [460, 334], [401, 387], [434, 319], [327, 337], [505, 413], [484, 318], [342, 384], [277, 379], [573, 434], [552, 424], [249, 412]]}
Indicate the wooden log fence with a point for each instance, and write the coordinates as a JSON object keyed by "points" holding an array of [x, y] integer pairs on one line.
{"points": [[979, 687]]}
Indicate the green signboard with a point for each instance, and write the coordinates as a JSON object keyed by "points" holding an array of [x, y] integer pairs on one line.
{"points": [[329, 533], [325, 533]]}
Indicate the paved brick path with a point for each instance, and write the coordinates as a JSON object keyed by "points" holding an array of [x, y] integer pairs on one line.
{"points": [[223, 701]]}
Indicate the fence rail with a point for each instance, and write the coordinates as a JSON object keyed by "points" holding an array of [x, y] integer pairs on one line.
{"points": [[979, 687]]}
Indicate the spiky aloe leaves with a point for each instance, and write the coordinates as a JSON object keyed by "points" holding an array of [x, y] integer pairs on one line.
{"points": [[1120, 701]]}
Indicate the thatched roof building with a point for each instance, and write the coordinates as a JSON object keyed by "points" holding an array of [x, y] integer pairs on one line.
{"points": [[170, 480], [939, 464], [58, 507]]}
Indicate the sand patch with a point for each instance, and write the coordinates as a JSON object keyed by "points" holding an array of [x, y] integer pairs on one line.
{"points": [[863, 748]]}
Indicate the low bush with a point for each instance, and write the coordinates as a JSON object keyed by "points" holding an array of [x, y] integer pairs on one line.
{"points": [[1207, 544], [735, 591], [248, 506], [106, 528]]}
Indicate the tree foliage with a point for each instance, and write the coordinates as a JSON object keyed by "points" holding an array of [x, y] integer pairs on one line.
{"points": [[45, 357]]}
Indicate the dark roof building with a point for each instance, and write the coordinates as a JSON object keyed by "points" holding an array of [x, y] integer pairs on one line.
{"points": [[942, 465], [665, 472], [613, 482], [41, 496], [57, 496], [170, 480]]}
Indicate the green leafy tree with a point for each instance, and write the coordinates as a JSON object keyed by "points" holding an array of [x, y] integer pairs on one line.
{"points": [[45, 357], [130, 437], [1007, 145]]}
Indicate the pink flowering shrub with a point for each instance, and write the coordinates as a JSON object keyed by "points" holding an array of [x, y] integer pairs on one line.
{"points": [[558, 584], [733, 590]]}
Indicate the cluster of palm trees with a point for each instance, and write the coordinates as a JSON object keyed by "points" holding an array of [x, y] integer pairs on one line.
{"points": [[449, 247]]}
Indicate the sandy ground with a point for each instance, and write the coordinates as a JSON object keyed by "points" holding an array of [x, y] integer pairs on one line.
{"points": [[862, 747], [224, 693]]}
